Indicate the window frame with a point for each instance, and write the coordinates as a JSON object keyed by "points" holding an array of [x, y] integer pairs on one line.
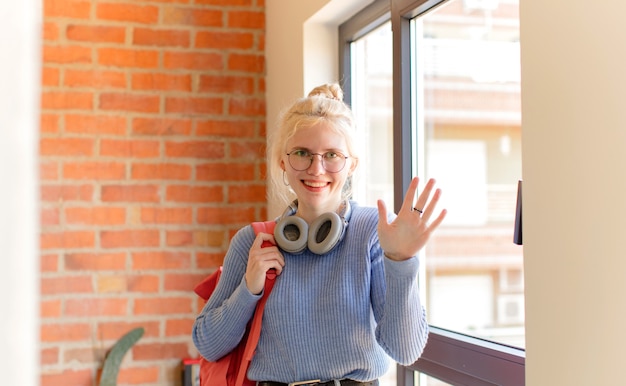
{"points": [[450, 356]]}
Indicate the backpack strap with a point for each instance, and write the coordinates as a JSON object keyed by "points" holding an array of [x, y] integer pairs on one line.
{"points": [[255, 325]]}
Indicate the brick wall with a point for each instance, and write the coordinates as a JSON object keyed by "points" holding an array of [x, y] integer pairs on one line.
{"points": [[152, 145]]}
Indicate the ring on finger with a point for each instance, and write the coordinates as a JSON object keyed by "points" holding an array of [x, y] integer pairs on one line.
{"points": [[418, 210]]}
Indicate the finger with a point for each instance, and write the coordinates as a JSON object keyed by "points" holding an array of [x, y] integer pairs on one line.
{"points": [[433, 225], [422, 198], [382, 212], [430, 208], [407, 204]]}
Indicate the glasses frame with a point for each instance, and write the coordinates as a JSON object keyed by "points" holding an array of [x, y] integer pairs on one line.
{"points": [[311, 155]]}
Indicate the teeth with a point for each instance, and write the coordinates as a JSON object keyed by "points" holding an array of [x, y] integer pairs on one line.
{"points": [[315, 184]]}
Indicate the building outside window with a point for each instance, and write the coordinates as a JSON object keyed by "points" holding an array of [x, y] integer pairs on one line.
{"points": [[465, 132]]}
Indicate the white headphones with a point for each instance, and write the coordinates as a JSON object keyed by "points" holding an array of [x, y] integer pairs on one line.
{"points": [[293, 234]]}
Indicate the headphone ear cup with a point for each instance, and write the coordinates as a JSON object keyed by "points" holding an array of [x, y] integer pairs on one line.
{"points": [[325, 232], [291, 233]]}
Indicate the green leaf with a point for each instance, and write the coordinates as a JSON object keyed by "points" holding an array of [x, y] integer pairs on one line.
{"points": [[114, 358]]}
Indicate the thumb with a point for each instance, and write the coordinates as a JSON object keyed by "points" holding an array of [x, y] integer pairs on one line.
{"points": [[382, 213]]}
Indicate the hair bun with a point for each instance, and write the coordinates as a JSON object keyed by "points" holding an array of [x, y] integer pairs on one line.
{"points": [[330, 91]]}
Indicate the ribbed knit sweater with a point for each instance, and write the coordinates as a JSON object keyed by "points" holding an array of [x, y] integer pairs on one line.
{"points": [[340, 315]]}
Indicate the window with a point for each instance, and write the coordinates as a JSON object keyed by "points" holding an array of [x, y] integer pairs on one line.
{"points": [[435, 87]]}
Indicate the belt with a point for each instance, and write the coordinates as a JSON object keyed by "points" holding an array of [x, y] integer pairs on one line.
{"points": [[343, 382]]}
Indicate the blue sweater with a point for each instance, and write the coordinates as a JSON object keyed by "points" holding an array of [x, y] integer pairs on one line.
{"points": [[339, 315]]}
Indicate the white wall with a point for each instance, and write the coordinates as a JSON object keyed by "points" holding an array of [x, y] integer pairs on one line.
{"points": [[574, 170], [20, 30]]}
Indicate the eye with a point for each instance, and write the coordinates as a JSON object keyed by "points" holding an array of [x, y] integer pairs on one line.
{"points": [[300, 153], [332, 155]]}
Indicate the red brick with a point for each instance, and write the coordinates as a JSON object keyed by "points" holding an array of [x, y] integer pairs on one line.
{"points": [[93, 78], [49, 356], [75, 9], [66, 54], [129, 238], [127, 12], [246, 19], [179, 327], [66, 285], [247, 193], [66, 147], [50, 217], [193, 61], [50, 308], [179, 238], [166, 215], [95, 261], [49, 262], [143, 283], [182, 282], [109, 331], [142, 375], [193, 17], [195, 194], [165, 82], [230, 3], [130, 102], [225, 40], [119, 57], [162, 306], [161, 260], [64, 100], [96, 33], [155, 351], [67, 378], [161, 37], [226, 215], [252, 151], [50, 76], [247, 107], [95, 215], [241, 128], [129, 148], [55, 193], [187, 105], [226, 84], [160, 172], [161, 126], [67, 240], [96, 307], [195, 149], [225, 172], [49, 171], [95, 124], [130, 193], [50, 31], [94, 170], [49, 123], [247, 63]]}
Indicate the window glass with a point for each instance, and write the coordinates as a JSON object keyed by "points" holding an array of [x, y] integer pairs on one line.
{"points": [[467, 125], [371, 95]]}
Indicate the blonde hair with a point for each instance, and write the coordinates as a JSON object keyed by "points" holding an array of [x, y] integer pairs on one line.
{"points": [[323, 103]]}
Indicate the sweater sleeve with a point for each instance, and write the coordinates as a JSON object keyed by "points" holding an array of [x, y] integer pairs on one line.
{"points": [[222, 322], [402, 328]]}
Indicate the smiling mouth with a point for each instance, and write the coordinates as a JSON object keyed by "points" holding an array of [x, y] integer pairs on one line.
{"points": [[315, 184]]}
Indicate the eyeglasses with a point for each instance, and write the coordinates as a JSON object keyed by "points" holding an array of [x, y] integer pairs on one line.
{"points": [[332, 161]]}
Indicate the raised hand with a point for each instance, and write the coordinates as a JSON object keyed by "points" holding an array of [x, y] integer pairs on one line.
{"points": [[407, 234]]}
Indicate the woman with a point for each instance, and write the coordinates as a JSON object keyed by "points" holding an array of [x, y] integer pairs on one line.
{"points": [[346, 298]]}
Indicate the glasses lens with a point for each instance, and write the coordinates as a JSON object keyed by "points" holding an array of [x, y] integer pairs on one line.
{"points": [[334, 162], [331, 161], [299, 160]]}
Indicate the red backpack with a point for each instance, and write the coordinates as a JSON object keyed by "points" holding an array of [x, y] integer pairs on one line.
{"points": [[232, 368]]}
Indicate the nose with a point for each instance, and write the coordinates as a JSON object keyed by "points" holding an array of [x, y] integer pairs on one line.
{"points": [[317, 165]]}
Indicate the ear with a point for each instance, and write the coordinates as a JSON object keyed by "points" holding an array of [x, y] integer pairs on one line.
{"points": [[354, 162], [282, 165]]}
